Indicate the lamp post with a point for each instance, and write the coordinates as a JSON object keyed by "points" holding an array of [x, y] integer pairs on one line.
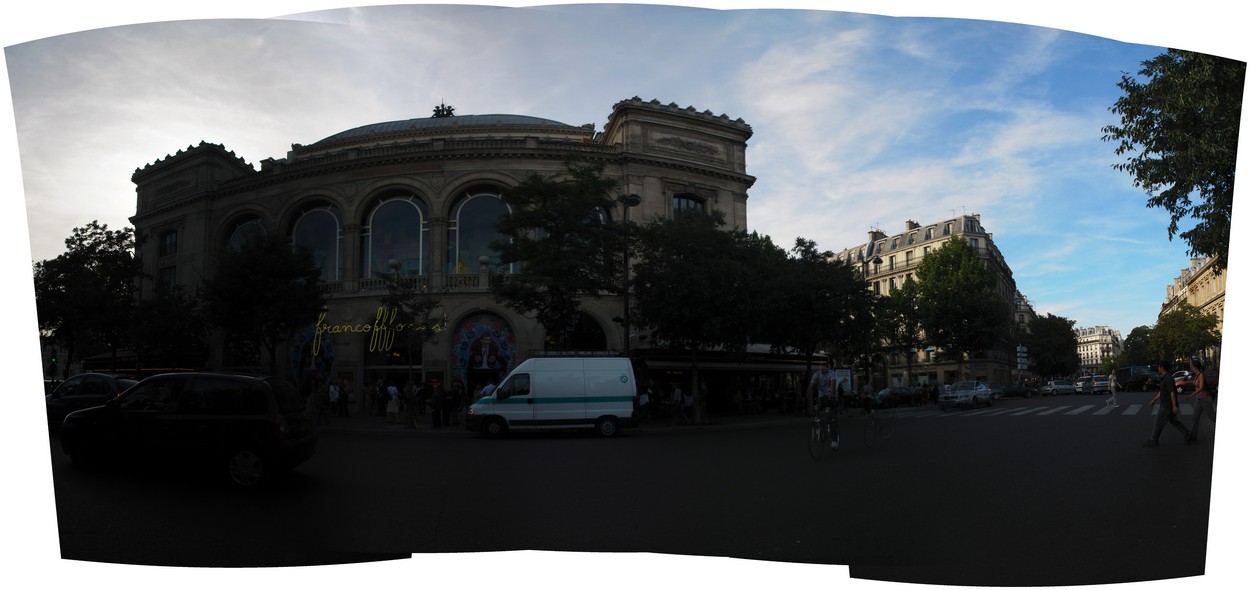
{"points": [[630, 201]]}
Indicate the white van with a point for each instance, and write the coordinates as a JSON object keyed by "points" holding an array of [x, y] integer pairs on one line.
{"points": [[559, 393]]}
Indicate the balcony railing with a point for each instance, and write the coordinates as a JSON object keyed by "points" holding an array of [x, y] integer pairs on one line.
{"points": [[453, 283]]}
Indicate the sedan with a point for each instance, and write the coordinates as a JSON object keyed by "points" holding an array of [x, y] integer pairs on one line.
{"points": [[1084, 384], [87, 390], [1058, 387], [965, 394], [1098, 384]]}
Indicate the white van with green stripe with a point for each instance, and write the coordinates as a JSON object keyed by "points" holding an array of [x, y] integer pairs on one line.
{"points": [[559, 393]]}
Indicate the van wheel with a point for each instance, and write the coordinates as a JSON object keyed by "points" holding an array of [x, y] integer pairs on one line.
{"points": [[495, 428], [246, 468], [606, 426]]}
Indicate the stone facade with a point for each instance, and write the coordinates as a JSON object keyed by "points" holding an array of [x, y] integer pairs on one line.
{"points": [[888, 261], [420, 197], [1095, 345], [1202, 288]]}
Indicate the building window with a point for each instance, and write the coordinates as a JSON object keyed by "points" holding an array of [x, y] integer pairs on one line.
{"points": [[928, 233], [319, 229], [169, 243], [245, 230], [892, 263], [685, 203], [911, 238], [894, 244], [471, 229], [396, 230], [975, 244], [167, 277], [946, 231], [907, 257]]}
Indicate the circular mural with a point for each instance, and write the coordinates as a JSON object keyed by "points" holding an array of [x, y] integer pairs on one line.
{"points": [[482, 349]]}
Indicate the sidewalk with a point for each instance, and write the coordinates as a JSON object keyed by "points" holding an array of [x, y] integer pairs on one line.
{"points": [[365, 422]]}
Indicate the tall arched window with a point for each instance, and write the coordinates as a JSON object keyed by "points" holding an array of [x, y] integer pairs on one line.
{"points": [[397, 229], [471, 229], [243, 231], [319, 229]]}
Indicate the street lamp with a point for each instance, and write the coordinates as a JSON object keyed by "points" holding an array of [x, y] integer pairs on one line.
{"points": [[630, 201]]}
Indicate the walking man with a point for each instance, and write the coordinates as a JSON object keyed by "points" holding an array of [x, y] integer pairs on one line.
{"points": [[1168, 407]]}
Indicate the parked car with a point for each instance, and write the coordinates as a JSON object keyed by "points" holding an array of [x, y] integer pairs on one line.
{"points": [[1058, 387], [247, 429], [1185, 381], [965, 394], [86, 390], [892, 397], [1098, 384], [1083, 384]]}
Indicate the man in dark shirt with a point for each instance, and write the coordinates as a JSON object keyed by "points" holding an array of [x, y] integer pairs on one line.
{"points": [[1169, 407]]}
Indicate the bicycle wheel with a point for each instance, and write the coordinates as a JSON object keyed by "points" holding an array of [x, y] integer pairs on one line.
{"points": [[887, 425], [831, 433], [816, 440], [870, 431]]}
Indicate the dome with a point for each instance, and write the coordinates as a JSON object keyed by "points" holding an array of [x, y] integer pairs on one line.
{"points": [[435, 123]]}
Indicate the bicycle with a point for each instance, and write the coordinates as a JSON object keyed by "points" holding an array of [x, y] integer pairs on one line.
{"points": [[880, 423], [824, 431]]}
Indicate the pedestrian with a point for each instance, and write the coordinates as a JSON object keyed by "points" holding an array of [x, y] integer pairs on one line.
{"points": [[379, 398], [679, 411], [454, 401], [1204, 402], [335, 397], [437, 397], [644, 404], [1112, 386], [411, 398], [1168, 406], [344, 399], [392, 403]]}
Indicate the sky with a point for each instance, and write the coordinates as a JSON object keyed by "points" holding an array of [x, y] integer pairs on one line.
{"points": [[864, 115]]}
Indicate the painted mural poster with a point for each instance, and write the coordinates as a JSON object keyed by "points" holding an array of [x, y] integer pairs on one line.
{"points": [[482, 349]]}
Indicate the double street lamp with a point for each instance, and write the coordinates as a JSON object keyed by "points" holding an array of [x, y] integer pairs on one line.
{"points": [[630, 201]]}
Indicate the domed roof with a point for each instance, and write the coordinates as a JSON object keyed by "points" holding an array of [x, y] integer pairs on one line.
{"points": [[433, 123]]}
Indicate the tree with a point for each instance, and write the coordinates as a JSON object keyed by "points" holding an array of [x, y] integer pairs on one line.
{"points": [[1052, 345], [170, 329], [960, 310], [1182, 332], [1180, 125], [1137, 347], [85, 296], [560, 233], [264, 291], [415, 305], [699, 287], [820, 304], [898, 321]]}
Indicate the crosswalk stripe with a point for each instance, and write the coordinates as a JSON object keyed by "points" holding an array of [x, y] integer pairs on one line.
{"points": [[1054, 410], [1079, 410], [1104, 410], [1028, 411], [1133, 410]]}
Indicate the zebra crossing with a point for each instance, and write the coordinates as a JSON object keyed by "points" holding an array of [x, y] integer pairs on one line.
{"points": [[1097, 409]]}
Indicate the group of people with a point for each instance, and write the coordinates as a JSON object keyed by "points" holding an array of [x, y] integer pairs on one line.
{"points": [[1168, 399]]}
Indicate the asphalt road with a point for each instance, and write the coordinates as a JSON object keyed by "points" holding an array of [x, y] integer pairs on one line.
{"points": [[1052, 491]]}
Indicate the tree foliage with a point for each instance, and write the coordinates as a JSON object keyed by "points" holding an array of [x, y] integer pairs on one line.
{"points": [[85, 297], [822, 305], [560, 232], [1182, 332], [170, 328], [263, 292], [960, 308], [1052, 346], [1179, 122], [899, 322], [1136, 349]]}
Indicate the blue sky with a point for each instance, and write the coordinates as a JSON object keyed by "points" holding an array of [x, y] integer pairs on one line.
{"points": [[861, 120]]}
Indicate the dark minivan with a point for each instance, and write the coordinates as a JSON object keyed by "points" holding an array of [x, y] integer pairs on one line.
{"points": [[247, 428]]}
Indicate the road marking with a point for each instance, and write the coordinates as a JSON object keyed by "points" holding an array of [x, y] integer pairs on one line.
{"points": [[1133, 409], [1054, 410], [1106, 409], [1028, 410], [977, 412], [1079, 410]]}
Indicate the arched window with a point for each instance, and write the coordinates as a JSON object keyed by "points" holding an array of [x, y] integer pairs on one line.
{"points": [[319, 229], [471, 229], [245, 230], [397, 229]]}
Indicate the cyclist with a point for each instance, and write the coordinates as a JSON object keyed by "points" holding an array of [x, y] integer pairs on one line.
{"points": [[823, 387]]}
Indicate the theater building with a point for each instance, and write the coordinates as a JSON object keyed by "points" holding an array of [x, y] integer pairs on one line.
{"points": [[420, 198]]}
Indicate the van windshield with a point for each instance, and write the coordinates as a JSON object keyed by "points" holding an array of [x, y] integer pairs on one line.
{"points": [[518, 384]]}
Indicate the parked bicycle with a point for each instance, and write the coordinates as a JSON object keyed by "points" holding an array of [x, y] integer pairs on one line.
{"points": [[823, 435]]}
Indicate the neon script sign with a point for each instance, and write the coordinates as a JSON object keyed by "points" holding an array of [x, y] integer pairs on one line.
{"points": [[381, 332]]}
